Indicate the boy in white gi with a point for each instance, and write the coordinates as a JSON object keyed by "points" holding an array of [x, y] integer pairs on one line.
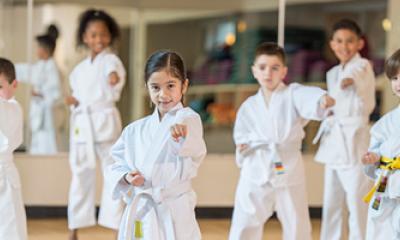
{"points": [[46, 90], [158, 156], [96, 85], [382, 163], [345, 134], [12, 211], [268, 134]]}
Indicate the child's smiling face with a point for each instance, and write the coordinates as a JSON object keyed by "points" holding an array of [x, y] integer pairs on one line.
{"points": [[165, 90], [345, 44], [97, 36]]}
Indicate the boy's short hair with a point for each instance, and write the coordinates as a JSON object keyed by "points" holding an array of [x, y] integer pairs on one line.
{"points": [[271, 49], [392, 65], [7, 68], [347, 24]]}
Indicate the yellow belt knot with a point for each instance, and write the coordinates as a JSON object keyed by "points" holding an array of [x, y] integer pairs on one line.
{"points": [[385, 163], [390, 163]]}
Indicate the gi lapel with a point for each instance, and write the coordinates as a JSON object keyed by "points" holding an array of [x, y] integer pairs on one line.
{"points": [[158, 142]]}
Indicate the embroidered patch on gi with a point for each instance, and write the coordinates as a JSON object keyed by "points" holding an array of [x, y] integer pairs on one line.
{"points": [[138, 229]]}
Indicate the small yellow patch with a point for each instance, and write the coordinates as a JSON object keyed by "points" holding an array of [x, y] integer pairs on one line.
{"points": [[138, 229]]}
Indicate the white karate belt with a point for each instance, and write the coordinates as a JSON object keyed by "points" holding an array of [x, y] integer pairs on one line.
{"points": [[155, 197], [274, 148], [90, 141], [331, 122]]}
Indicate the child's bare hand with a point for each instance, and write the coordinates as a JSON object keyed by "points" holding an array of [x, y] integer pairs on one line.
{"points": [[346, 83], [36, 94], [370, 158], [178, 130], [70, 100], [113, 79], [327, 102], [135, 178], [242, 147]]}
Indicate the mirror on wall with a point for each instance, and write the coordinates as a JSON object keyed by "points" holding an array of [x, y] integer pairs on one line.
{"points": [[217, 44], [43, 77]]}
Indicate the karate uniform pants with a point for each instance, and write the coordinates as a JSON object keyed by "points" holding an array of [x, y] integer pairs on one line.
{"points": [[345, 186], [82, 194], [255, 204]]}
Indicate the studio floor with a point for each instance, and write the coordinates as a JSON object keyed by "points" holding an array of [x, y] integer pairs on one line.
{"points": [[56, 229]]}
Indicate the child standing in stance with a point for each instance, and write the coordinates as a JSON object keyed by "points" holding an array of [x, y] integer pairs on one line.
{"points": [[268, 133], [157, 157], [345, 134], [96, 85], [382, 163]]}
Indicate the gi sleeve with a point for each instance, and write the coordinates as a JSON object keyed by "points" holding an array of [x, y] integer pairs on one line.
{"points": [[379, 133], [364, 83], [114, 64], [120, 167], [241, 129], [11, 125], [307, 101]]}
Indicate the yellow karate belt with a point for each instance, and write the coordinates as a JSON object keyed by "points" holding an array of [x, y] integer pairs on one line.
{"points": [[386, 163]]}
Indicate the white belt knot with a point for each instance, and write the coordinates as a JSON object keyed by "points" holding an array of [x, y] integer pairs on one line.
{"points": [[154, 196]]}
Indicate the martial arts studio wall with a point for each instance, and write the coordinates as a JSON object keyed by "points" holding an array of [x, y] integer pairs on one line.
{"points": [[45, 183], [45, 179]]}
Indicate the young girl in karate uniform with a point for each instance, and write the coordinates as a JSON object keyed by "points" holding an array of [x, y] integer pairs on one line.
{"points": [[96, 85], [45, 80], [382, 163], [156, 158]]}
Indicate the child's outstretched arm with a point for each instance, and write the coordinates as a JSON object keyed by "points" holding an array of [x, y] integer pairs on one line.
{"points": [[355, 75], [190, 148], [177, 131], [362, 78], [190, 129], [347, 82], [311, 102], [116, 74]]}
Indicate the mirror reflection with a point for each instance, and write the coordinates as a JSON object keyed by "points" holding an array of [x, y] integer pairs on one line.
{"points": [[44, 81]]}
